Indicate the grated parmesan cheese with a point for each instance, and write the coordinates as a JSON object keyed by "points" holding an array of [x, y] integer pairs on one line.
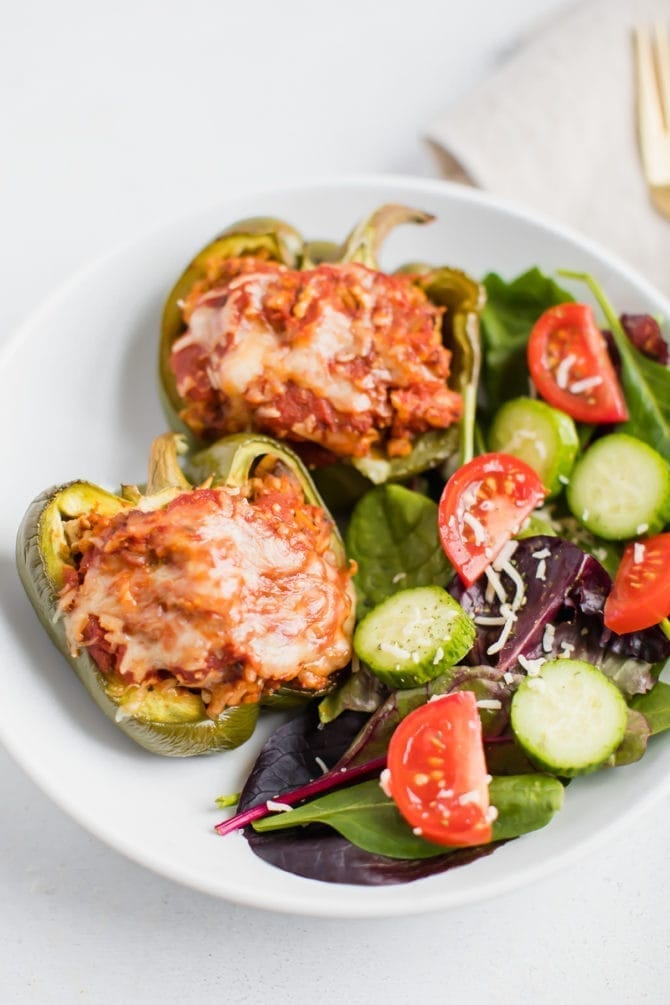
{"points": [[469, 797], [502, 638], [518, 583], [495, 585], [532, 667], [563, 370], [481, 537], [586, 384], [391, 649], [548, 638], [275, 807], [542, 553], [504, 555]]}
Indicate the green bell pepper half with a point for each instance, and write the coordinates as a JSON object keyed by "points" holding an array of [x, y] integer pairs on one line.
{"points": [[259, 236], [169, 721], [463, 297]]}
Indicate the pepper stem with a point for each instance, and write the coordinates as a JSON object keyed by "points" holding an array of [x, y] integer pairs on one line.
{"points": [[164, 470], [367, 237]]}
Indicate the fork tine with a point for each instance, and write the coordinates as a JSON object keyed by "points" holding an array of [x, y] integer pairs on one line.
{"points": [[649, 112], [662, 39]]}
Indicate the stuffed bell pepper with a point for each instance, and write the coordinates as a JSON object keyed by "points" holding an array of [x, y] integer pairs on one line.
{"points": [[313, 344], [182, 608]]}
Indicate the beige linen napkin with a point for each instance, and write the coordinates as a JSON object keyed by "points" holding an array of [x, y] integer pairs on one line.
{"points": [[554, 129]]}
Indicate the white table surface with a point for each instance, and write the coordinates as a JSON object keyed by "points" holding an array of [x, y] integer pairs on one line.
{"points": [[114, 118]]}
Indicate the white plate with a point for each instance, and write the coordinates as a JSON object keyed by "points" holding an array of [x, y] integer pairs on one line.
{"points": [[79, 401]]}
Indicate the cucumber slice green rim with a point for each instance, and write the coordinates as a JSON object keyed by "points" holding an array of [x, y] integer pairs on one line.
{"points": [[414, 636], [620, 488], [542, 436], [570, 718]]}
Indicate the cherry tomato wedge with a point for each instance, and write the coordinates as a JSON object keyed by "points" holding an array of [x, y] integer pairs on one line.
{"points": [[437, 771], [483, 505], [570, 366], [640, 596]]}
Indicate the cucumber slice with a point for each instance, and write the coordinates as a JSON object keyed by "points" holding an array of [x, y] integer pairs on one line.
{"points": [[570, 718], [620, 488], [414, 636], [540, 435]]}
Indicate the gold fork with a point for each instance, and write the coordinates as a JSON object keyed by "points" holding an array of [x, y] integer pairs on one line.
{"points": [[652, 50]]}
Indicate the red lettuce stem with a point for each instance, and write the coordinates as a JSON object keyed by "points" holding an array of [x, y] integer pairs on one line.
{"points": [[331, 780]]}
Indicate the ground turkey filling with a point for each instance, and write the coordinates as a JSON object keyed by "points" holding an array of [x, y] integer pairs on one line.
{"points": [[340, 357], [227, 592]]}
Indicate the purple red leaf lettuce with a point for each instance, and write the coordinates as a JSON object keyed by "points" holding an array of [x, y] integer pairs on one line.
{"points": [[568, 592]]}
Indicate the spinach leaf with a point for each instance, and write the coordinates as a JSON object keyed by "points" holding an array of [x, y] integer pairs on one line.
{"points": [[655, 706], [393, 537], [511, 310], [646, 383], [370, 820], [363, 815]]}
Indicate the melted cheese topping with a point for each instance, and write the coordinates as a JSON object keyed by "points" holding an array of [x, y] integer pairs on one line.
{"points": [[218, 590], [333, 355]]}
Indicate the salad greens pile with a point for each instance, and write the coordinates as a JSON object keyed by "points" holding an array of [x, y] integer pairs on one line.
{"points": [[324, 765]]}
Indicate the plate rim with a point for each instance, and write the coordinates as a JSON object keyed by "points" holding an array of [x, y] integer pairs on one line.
{"points": [[379, 900]]}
